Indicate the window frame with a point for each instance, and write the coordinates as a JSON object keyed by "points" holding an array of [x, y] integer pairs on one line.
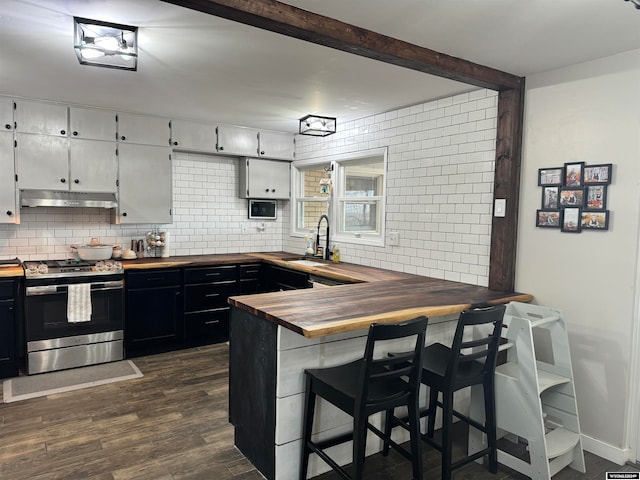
{"points": [[337, 163]]}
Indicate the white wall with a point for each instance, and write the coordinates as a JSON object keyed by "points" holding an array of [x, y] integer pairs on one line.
{"points": [[439, 185], [588, 112], [208, 218]]}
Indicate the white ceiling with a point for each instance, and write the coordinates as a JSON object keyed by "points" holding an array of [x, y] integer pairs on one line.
{"points": [[196, 66]]}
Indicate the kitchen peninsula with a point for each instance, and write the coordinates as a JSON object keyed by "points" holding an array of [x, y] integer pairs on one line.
{"points": [[275, 336]]}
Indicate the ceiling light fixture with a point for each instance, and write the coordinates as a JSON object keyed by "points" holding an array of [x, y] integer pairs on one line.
{"points": [[105, 44], [635, 2], [317, 126]]}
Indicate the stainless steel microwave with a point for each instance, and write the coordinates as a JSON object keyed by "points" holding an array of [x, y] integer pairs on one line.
{"points": [[263, 209]]}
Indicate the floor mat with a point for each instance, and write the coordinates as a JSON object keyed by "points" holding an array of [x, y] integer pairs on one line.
{"points": [[32, 386]]}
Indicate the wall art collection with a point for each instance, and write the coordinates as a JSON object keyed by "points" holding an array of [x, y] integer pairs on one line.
{"points": [[574, 197]]}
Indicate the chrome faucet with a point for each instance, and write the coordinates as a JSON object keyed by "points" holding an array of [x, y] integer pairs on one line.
{"points": [[326, 248]]}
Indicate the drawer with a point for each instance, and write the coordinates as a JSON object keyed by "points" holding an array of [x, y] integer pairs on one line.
{"points": [[153, 278], [250, 271], [210, 274], [248, 286], [6, 290], [213, 324], [208, 295]]}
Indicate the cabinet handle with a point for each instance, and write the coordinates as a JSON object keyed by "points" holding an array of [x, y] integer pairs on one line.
{"points": [[212, 274], [175, 143], [9, 212], [123, 137], [124, 214], [221, 148], [63, 132], [266, 189], [212, 295], [211, 322], [63, 180], [76, 181], [273, 190], [75, 134], [7, 126], [262, 152]]}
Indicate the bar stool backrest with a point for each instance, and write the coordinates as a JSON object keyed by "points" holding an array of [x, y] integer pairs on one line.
{"points": [[483, 350], [379, 374]]}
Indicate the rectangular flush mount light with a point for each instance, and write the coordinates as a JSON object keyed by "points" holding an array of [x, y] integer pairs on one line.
{"points": [[317, 125], [106, 44]]}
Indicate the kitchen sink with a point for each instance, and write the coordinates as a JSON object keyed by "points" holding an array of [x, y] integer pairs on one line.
{"points": [[307, 263]]}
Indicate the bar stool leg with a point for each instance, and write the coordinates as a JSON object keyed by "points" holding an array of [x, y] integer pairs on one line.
{"points": [[414, 431], [447, 424], [388, 418], [490, 423], [431, 411], [309, 411], [359, 444]]}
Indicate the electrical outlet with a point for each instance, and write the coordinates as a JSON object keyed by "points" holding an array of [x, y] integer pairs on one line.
{"points": [[394, 238], [244, 228]]}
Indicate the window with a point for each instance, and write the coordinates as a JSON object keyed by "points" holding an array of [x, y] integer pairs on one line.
{"points": [[349, 188]]}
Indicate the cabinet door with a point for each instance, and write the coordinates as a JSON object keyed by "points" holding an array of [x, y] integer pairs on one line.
{"points": [[7, 180], [237, 140], [193, 136], [6, 114], [145, 184], [276, 145], [42, 162], [8, 340], [93, 166], [268, 178], [91, 123], [42, 118], [153, 319], [143, 129]]}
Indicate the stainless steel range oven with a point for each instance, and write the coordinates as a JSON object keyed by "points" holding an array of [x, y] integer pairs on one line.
{"points": [[74, 313]]}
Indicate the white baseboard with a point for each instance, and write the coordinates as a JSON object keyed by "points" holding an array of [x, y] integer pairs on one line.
{"points": [[614, 454]]}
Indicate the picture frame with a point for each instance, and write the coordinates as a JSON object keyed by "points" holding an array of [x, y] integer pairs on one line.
{"points": [[573, 174], [594, 220], [571, 197], [550, 197], [570, 222], [548, 218], [595, 197], [550, 176], [597, 174]]}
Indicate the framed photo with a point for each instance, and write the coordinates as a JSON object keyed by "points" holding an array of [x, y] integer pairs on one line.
{"points": [[548, 218], [550, 198], [573, 174], [598, 220], [597, 174], [572, 197], [596, 197], [550, 176], [570, 220]]}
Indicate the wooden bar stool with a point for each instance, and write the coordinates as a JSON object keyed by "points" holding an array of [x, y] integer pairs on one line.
{"points": [[469, 361], [365, 387]]}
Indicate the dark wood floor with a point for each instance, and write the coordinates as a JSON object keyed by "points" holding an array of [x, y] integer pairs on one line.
{"points": [[171, 424]]}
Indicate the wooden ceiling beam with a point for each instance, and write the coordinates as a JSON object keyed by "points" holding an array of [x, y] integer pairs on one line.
{"points": [[297, 23]]}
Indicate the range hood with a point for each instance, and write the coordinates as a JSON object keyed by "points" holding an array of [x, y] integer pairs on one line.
{"points": [[50, 198]]}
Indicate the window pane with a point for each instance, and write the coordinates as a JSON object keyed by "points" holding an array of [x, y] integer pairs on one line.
{"points": [[312, 184], [363, 179], [360, 216], [309, 213]]}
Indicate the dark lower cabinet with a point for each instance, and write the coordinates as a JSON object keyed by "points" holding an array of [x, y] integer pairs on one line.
{"points": [[249, 277], [9, 364], [153, 320], [206, 311], [275, 279]]}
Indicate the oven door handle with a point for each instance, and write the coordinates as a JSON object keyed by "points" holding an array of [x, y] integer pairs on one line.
{"points": [[53, 289]]}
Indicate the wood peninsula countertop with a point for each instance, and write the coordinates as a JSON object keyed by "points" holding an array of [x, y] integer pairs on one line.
{"points": [[11, 271], [378, 296]]}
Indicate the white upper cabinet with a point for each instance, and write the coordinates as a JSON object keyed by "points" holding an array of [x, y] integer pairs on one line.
{"points": [[42, 118], [42, 162], [239, 141], [143, 129], [194, 136], [8, 211], [92, 124], [276, 145], [6, 114], [145, 192], [93, 166], [262, 178]]}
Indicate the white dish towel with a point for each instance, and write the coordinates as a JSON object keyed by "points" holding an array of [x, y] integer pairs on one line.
{"points": [[79, 303]]}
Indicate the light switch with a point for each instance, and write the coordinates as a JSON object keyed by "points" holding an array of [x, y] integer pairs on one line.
{"points": [[500, 207]]}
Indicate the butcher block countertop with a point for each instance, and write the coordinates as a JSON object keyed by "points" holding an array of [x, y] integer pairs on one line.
{"points": [[380, 296], [11, 271]]}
